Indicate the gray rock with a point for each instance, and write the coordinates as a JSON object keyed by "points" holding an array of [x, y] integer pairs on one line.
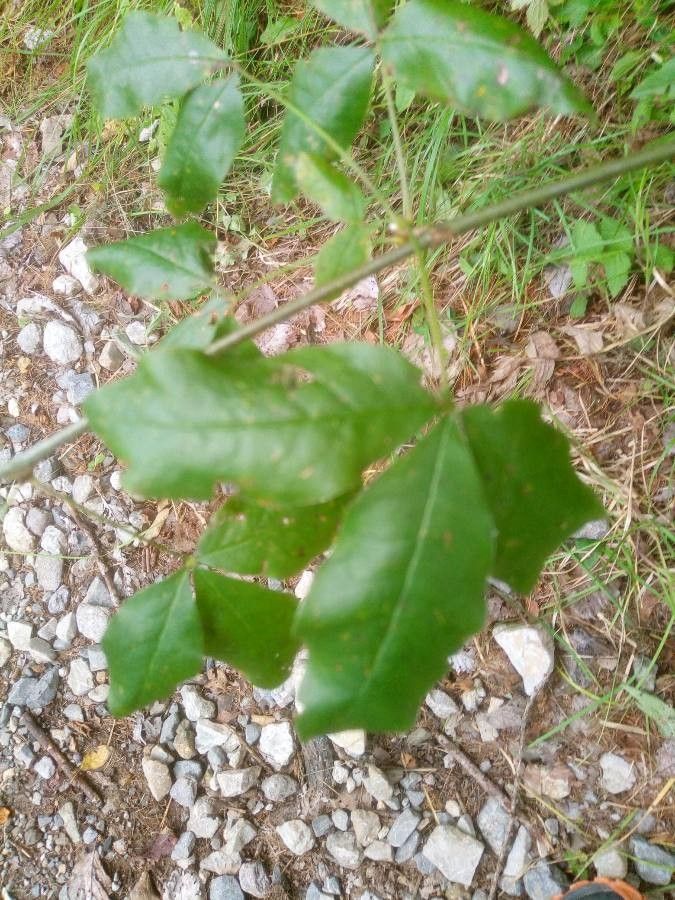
{"points": [[111, 357], [342, 847], [61, 343], [252, 733], [441, 704], [45, 768], [80, 680], [404, 825], [158, 777], [184, 846], [276, 744], [97, 659], [40, 650], [530, 652], [98, 594], [314, 892], [184, 791], [516, 863], [5, 651], [618, 775], [77, 386], [322, 825], [67, 814], [203, 822], [18, 433], [35, 693], [188, 768], [19, 634], [73, 713], [92, 621], [83, 485], [543, 881], [225, 887], [170, 725], [366, 825], [57, 602], [408, 850], [37, 520], [17, 536], [237, 781], [184, 740], [379, 851], [610, 863], [454, 853], [49, 571], [28, 339], [340, 819], [195, 706], [239, 835], [279, 787], [66, 628], [493, 821], [378, 785], [221, 862], [297, 836], [652, 863], [253, 879], [212, 734], [595, 530], [24, 755]]}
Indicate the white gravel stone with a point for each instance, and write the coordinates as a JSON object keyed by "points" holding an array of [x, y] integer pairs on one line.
{"points": [[5, 651], [92, 621], [610, 863], [202, 822], [17, 536], [530, 652], [28, 339], [45, 768], [236, 782], [49, 571], [378, 785], [157, 776], [212, 734], [239, 835], [342, 847], [19, 634], [111, 357], [366, 825], [403, 826], [80, 679], [454, 853], [66, 628], [352, 742], [493, 821], [83, 485], [618, 775], [297, 836], [137, 333], [40, 650], [254, 880], [516, 863], [195, 706], [65, 285], [37, 520], [221, 862], [67, 814], [74, 260], [379, 851], [441, 704], [61, 343], [304, 584], [276, 744], [279, 787]]}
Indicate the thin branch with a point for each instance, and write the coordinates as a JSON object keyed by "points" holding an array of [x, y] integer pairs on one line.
{"points": [[72, 772], [399, 153], [431, 236]]}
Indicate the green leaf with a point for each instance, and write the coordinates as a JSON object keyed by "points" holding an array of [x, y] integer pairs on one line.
{"points": [[202, 148], [197, 331], [615, 235], [402, 589], [297, 428], [149, 59], [484, 64], [153, 643], [247, 626], [330, 91], [617, 268], [658, 83], [654, 708], [339, 198], [366, 16], [166, 264], [579, 269], [342, 253], [579, 306], [255, 539], [536, 497]]}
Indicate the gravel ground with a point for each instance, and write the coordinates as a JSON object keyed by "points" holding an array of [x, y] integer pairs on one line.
{"points": [[210, 794]]}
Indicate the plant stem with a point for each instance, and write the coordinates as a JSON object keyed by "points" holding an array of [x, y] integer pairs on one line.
{"points": [[431, 236], [432, 320], [406, 200]]}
